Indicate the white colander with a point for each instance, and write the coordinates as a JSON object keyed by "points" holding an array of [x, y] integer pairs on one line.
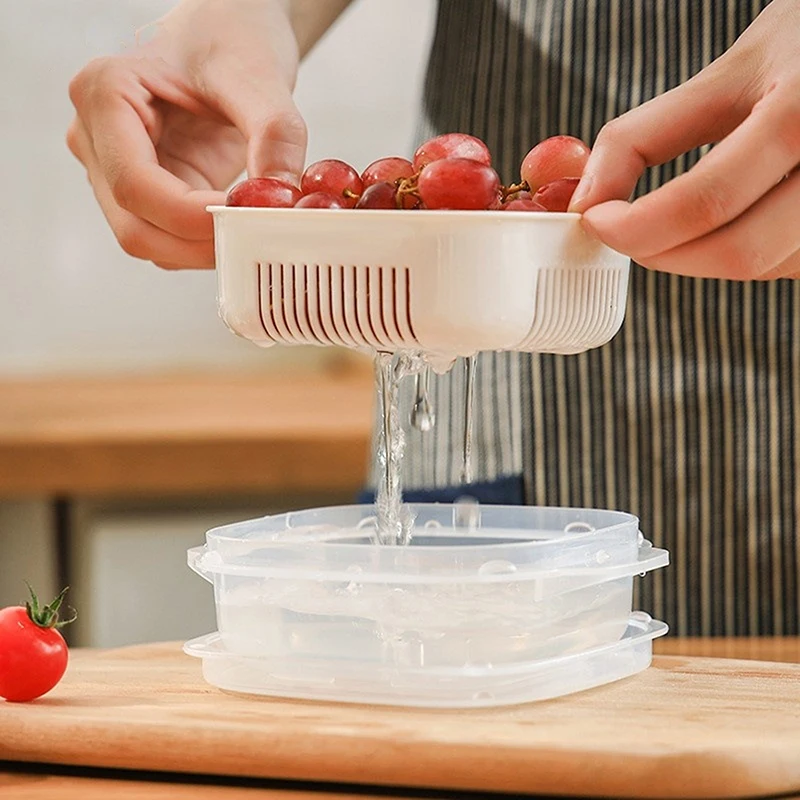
{"points": [[450, 283]]}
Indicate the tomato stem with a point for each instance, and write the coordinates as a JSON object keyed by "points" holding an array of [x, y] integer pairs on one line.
{"points": [[47, 616]]}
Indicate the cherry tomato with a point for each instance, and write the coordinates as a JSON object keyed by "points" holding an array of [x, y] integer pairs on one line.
{"points": [[33, 654]]}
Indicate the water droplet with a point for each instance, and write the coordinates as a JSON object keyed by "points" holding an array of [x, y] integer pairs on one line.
{"points": [[497, 567], [483, 696], [367, 522], [422, 416], [602, 556], [441, 365], [578, 527], [433, 524], [353, 587]]}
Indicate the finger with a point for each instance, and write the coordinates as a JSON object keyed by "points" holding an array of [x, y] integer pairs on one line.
{"points": [[143, 240], [259, 103], [128, 161], [278, 146], [138, 237], [75, 142], [721, 186], [169, 267], [752, 247], [790, 268], [113, 100], [700, 111], [202, 165]]}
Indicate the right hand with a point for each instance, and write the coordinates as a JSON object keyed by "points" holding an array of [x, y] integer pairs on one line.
{"points": [[164, 128]]}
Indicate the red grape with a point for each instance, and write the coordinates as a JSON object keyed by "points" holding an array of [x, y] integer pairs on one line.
{"points": [[554, 158], [451, 171], [555, 196], [458, 183], [452, 145], [525, 204], [333, 177], [263, 193], [378, 195], [320, 200], [388, 170]]}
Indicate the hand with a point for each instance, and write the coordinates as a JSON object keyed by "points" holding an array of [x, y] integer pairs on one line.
{"points": [[736, 213], [164, 128]]}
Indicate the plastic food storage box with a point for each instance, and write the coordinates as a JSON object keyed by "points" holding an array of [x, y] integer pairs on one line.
{"points": [[485, 606]]}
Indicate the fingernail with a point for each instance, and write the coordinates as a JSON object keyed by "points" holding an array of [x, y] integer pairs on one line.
{"points": [[287, 177], [606, 215], [581, 193]]}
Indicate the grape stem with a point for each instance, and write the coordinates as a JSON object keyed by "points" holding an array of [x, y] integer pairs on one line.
{"points": [[407, 187], [512, 189], [350, 194]]}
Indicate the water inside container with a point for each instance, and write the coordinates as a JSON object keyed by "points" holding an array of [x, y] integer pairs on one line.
{"points": [[495, 586], [493, 613], [445, 626]]}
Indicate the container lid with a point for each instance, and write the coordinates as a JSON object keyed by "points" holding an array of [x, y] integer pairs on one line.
{"points": [[561, 549]]}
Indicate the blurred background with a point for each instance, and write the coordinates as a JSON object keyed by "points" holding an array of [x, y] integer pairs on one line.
{"points": [[72, 304]]}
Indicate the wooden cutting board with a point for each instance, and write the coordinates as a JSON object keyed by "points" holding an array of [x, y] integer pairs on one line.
{"points": [[687, 727], [21, 786]]}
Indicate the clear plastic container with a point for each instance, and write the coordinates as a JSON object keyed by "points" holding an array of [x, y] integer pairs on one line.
{"points": [[476, 589], [464, 687]]}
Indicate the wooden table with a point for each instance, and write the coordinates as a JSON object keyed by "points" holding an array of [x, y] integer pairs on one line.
{"points": [[39, 781], [784, 649], [186, 434], [296, 432]]}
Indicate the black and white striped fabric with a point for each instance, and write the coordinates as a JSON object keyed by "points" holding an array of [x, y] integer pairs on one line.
{"points": [[690, 417]]}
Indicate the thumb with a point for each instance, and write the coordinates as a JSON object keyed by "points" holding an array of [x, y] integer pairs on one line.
{"points": [[262, 109], [276, 139], [701, 111]]}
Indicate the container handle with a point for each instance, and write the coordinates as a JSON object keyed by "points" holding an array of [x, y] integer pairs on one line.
{"points": [[194, 558]]}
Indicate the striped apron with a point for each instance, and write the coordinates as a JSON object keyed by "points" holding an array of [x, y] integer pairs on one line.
{"points": [[689, 418]]}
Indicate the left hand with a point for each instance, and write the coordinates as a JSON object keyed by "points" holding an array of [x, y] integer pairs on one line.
{"points": [[736, 213]]}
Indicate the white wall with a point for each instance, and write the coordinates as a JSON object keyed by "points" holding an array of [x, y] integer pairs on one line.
{"points": [[69, 298]]}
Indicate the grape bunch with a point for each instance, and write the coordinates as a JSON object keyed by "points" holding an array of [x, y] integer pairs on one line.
{"points": [[451, 171]]}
